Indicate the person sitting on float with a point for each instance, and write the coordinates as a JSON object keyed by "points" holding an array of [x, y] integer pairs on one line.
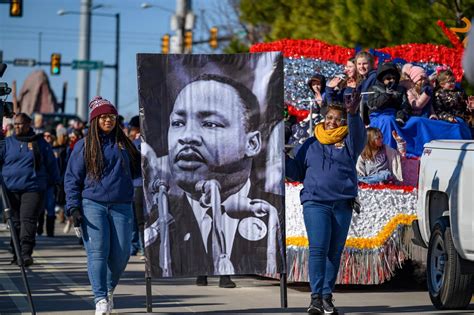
{"points": [[317, 85], [365, 65], [387, 100], [343, 83], [420, 95], [390, 108], [379, 163], [451, 103]]}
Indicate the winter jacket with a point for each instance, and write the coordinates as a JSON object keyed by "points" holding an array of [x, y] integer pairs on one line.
{"points": [[394, 164], [115, 185], [28, 163], [328, 172], [337, 95], [421, 103], [364, 86], [450, 103], [383, 98]]}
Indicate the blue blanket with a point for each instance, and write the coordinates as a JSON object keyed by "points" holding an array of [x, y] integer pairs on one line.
{"points": [[417, 130]]}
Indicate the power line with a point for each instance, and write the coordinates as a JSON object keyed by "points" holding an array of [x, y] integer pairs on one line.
{"points": [[31, 37], [29, 29]]}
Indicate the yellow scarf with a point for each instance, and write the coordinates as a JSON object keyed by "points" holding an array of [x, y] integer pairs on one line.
{"points": [[330, 136]]}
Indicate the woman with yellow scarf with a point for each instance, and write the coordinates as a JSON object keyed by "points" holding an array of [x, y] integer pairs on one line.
{"points": [[326, 164]]}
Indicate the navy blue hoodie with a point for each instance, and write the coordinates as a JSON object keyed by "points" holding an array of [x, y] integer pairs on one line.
{"points": [[21, 170], [115, 185], [328, 172]]}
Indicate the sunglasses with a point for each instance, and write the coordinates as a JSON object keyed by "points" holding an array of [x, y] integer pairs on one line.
{"points": [[110, 116]]}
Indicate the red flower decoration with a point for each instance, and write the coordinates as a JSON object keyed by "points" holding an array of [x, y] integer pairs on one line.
{"points": [[423, 53]]}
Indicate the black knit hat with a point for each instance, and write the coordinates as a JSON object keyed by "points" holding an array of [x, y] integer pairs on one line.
{"points": [[134, 122]]}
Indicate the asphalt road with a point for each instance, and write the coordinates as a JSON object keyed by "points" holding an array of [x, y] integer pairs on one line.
{"points": [[59, 285]]}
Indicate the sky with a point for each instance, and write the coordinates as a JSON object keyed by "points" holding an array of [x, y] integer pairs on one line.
{"points": [[140, 32]]}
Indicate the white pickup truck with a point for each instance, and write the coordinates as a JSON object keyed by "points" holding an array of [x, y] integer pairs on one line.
{"points": [[445, 222]]}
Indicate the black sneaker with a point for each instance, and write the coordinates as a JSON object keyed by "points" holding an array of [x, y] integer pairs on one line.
{"points": [[316, 305], [226, 282], [329, 308], [27, 261], [14, 261], [201, 281]]}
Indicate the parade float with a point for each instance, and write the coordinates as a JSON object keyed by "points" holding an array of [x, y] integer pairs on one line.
{"points": [[379, 239]]}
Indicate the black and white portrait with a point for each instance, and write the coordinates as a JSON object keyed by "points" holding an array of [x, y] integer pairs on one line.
{"points": [[212, 163]]}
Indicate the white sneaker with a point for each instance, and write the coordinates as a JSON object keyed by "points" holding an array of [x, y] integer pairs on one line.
{"points": [[67, 227], [110, 297], [102, 307]]}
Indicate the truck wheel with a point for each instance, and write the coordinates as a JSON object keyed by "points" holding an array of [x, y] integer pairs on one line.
{"points": [[448, 288]]}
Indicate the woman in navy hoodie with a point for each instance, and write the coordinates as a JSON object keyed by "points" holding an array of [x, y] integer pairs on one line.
{"points": [[28, 168], [326, 164], [99, 196]]}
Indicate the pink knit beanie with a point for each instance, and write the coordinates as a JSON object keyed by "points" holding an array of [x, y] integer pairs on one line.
{"points": [[99, 106], [406, 68], [416, 73]]}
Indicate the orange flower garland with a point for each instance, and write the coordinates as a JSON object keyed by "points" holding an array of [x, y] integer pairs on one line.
{"points": [[362, 242]]}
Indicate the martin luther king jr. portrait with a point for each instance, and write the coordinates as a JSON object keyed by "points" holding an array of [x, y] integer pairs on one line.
{"points": [[212, 168]]}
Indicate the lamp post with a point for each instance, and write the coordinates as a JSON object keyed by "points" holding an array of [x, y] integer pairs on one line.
{"points": [[82, 106]]}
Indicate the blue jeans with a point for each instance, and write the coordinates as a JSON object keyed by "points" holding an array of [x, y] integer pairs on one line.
{"points": [[50, 201], [379, 177], [107, 233], [136, 244], [327, 224]]}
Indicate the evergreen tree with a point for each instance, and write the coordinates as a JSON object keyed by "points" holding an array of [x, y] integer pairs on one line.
{"points": [[369, 23]]}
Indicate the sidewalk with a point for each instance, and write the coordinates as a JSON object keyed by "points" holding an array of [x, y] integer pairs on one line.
{"points": [[59, 284]]}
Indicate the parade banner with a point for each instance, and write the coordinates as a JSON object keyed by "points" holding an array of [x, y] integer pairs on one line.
{"points": [[212, 161]]}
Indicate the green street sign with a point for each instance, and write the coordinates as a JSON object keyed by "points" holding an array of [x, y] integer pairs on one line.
{"points": [[87, 64]]}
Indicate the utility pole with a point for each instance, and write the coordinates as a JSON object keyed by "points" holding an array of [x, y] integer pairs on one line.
{"points": [[117, 59], [181, 22], [84, 54]]}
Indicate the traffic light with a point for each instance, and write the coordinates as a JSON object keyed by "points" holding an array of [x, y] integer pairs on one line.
{"points": [[55, 64], [188, 41], [16, 8], [213, 37], [165, 44]]}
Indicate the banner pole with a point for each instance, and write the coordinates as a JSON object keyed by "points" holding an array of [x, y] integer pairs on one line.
{"points": [[283, 279], [283, 291], [149, 302]]}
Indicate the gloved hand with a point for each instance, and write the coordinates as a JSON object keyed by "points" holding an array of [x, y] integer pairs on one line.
{"points": [[77, 221], [392, 92], [352, 102], [427, 89]]}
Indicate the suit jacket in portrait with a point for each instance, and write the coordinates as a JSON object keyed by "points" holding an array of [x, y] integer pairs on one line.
{"points": [[188, 253]]}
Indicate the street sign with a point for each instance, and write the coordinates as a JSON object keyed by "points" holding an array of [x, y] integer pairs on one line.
{"points": [[24, 62], [87, 64]]}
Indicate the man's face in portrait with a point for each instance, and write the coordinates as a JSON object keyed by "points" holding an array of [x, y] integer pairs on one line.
{"points": [[207, 137]]}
